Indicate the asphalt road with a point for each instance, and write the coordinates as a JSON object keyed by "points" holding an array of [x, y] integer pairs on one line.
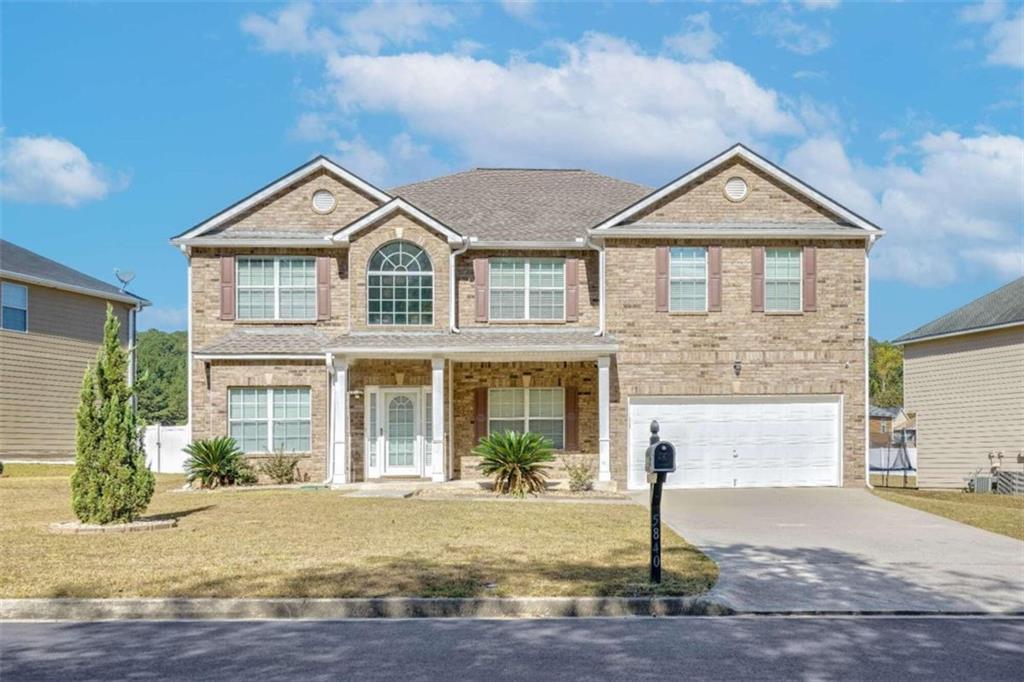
{"points": [[738, 648]]}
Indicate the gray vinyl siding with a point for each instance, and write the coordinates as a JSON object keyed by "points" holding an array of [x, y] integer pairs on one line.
{"points": [[41, 371], [968, 393]]}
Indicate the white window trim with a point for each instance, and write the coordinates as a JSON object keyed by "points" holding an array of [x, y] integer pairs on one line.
{"points": [[526, 288], [3, 305], [526, 408], [799, 280], [269, 393], [276, 287], [687, 279], [386, 273]]}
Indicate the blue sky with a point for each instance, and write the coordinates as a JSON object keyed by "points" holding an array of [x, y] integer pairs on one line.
{"points": [[124, 124]]}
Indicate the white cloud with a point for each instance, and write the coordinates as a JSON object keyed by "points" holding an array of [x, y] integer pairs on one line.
{"points": [[369, 29], [958, 210], [697, 40], [50, 170], [163, 318], [604, 104], [813, 5], [520, 9], [1004, 36], [792, 35]]}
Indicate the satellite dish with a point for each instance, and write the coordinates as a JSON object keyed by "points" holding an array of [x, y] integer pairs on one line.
{"points": [[125, 277]]}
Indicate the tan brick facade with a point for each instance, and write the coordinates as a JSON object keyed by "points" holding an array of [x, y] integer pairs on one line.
{"points": [[398, 228], [781, 354], [820, 353], [704, 201], [589, 294], [290, 210], [210, 400]]}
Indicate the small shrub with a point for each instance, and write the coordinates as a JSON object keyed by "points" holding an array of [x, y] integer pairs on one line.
{"points": [[280, 468], [245, 474], [581, 474], [1, 468], [215, 462], [516, 461]]}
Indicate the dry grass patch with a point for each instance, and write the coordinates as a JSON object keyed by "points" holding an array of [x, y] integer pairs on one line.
{"points": [[318, 543], [1003, 514]]}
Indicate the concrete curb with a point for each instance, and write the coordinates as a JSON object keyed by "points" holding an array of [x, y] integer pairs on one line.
{"points": [[337, 609]]}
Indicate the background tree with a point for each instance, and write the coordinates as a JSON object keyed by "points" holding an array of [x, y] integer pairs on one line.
{"points": [[162, 388], [111, 483], [885, 374]]}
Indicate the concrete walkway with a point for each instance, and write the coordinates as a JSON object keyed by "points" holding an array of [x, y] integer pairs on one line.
{"points": [[836, 550]]}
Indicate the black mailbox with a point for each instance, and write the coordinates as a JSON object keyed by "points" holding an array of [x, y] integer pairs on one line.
{"points": [[661, 458]]}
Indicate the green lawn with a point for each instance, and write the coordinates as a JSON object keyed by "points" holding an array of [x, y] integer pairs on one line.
{"points": [[1003, 514], [319, 543]]}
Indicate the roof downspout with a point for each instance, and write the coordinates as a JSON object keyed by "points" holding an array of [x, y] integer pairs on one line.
{"points": [[187, 252], [452, 279], [867, 360], [331, 378], [600, 285]]}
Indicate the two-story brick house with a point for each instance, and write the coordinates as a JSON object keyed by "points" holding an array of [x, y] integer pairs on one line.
{"points": [[382, 333]]}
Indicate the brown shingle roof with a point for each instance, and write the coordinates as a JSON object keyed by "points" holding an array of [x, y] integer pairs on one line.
{"points": [[286, 341], [510, 204]]}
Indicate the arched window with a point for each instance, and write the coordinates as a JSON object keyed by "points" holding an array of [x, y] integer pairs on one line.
{"points": [[400, 285]]}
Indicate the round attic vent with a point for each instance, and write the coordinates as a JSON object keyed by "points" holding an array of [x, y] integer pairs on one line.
{"points": [[323, 201], [736, 189]]}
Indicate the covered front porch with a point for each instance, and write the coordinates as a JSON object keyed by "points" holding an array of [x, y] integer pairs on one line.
{"points": [[413, 406]]}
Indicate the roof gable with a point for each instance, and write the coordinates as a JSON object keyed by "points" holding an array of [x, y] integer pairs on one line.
{"points": [[397, 205], [756, 169], [320, 164]]}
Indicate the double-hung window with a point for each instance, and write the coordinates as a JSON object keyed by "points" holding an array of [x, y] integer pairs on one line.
{"points": [[527, 289], [688, 279], [782, 280], [14, 299], [533, 410], [281, 288], [269, 419]]}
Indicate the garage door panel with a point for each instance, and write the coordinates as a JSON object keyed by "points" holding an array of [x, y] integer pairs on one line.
{"points": [[764, 442]]}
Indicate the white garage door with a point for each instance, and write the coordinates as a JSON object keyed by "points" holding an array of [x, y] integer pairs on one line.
{"points": [[740, 442]]}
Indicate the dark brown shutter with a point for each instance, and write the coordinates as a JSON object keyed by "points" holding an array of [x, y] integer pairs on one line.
{"points": [[480, 277], [757, 279], [572, 422], [481, 413], [714, 279], [572, 290], [323, 287], [227, 287], [810, 279], [661, 279]]}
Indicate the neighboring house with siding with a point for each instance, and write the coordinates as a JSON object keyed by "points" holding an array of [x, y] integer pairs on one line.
{"points": [[50, 331], [381, 333], [963, 378]]}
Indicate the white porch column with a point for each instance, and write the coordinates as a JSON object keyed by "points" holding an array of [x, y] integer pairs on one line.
{"points": [[339, 423], [604, 364], [437, 403]]}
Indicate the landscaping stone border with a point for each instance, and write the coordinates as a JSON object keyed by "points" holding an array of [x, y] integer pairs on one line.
{"points": [[337, 609], [78, 528]]}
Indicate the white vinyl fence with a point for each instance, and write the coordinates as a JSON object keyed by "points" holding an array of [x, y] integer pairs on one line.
{"points": [[165, 449], [889, 459]]}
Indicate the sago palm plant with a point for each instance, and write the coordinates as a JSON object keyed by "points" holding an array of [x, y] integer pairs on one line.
{"points": [[516, 461], [213, 462]]}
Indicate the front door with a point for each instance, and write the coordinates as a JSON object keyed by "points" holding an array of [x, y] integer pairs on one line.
{"points": [[401, 427]]}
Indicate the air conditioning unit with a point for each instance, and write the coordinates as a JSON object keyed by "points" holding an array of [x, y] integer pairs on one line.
{"points": [[983, 483]]}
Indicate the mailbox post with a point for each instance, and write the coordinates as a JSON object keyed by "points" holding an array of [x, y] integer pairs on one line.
{"points": [[660, 461]]}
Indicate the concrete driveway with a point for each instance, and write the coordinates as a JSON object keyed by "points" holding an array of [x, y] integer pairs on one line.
{"points": [[836, 550]]}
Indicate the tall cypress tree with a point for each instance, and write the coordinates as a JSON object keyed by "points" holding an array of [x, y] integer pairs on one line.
{"points": [[111, 483]]}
